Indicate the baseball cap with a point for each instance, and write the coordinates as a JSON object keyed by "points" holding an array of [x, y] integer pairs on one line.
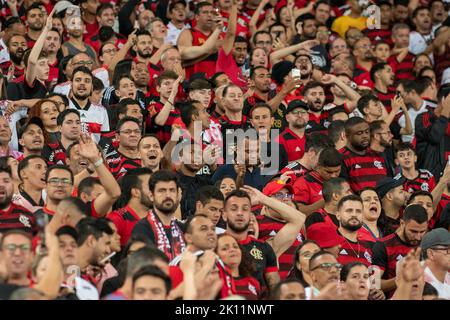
{"points": [[274, 187], [436, 237], [324, 234], [34, 120], [294, 104], [387, 184]]}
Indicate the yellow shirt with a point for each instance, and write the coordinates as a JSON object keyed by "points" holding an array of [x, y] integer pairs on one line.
{"points": [[343, 23]]}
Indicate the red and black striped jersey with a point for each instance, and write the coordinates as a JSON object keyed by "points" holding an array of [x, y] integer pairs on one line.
{"points": [[120, 164], [297, 171], [54, 153], [423, 182], [125, 219], [17, 217], [379, 35], [268, 228], [361, 77], [318, 123], [442, 62], [403, 69], [294, 145], [247, 287], [445, 200], [108, 143], [262, 256], [362, 170], [308, 189], [387, 252], [228, 124], [321, 216], [385, 97], [359, 251], [164, 132]]}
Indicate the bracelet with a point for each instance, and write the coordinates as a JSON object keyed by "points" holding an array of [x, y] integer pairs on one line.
{"points": [[98, 163]]}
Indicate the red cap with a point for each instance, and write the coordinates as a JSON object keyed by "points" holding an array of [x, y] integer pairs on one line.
{"points": [[274, 186], [324, 234]]}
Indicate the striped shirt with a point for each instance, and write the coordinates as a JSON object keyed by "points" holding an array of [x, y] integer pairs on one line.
{"points": [[17, 218]]}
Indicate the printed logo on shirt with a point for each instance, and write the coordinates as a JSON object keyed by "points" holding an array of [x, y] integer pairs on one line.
{"points": [[343, 253], [256, 253], [252, 289], [425, 186], [298, 149], [272, 233], [399, 257], [25, 221], [357, 166], [368, 257], [378, 164], [320, 192]]}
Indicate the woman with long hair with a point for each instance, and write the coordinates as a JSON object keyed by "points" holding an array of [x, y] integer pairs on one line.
{"points": [[300, 265], [47, 110], [230, 252]]}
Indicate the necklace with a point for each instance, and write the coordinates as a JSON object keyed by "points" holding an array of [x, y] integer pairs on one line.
{"points": [[356, 254]]}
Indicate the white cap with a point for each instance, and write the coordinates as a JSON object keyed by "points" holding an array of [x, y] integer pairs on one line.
{"points": [[63, 5]]}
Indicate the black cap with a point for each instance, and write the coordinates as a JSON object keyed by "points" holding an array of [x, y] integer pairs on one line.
{"points": [[34, 120], [68, 230], [280, 70], [294, 104], [387, 184]]}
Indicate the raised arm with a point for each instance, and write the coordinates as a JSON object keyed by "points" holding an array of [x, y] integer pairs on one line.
{"points": [[103, 203], [30, 74], [349, 92], [162, 116], [190, 52], [121, 54], [231, 32], [282, 53], [408, 129], [254, 20]]}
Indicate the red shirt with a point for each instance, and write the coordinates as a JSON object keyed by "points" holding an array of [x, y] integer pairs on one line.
{"points": [[226, 63], [308, 189], [294, 145], [360, 251], [125, 219], [207, 65]]}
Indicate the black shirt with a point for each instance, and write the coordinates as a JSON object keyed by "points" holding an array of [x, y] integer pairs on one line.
{"points": [[21, 90], [190, 187]]}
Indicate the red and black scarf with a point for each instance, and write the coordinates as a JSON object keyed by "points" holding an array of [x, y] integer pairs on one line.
{"points": [[171, 248]]}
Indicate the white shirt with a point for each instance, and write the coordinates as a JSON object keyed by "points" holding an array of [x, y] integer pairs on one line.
{"points": [[94, 119], [413, 113], [4, 53], [173, 33], [418, 42], [65, 87], [443, 288]]}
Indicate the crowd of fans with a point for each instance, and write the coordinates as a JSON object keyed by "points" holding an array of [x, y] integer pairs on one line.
{"points": [[225, 149]]}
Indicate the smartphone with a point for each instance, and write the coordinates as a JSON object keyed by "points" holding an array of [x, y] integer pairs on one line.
{"points": [[41, 222], [296, 74]]}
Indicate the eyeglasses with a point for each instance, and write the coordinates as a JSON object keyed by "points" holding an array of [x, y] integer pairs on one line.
{"points": [[84, 63], [264, 43], [299, 112], [56, 181], [24, 248], [328, 266], [128, 132], [110, 51], [283, 196], [447, 249]]}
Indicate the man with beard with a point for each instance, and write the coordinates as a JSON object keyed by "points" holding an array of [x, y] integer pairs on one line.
{"points": [[314, 96], [237, 214], [393, 198], [343, 63], [392, 248], [126, 157], [69, 125], [136, 201], [293, 138], [422, 37], [31, 137], [361, 167], [94, 243], [160, 225], [11, 27], [189, 178], [177, 15], [31, 171], [381, 142], [75, 44], [17, 45], [150, 152], [383, 78], [12, 216], [51, 47], [94, 118], [364, 62], [350, 216], [198, 45], [35, 19]]}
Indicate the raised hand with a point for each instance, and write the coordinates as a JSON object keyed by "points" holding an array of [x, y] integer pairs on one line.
{"points": [[132, 38], [49, 22], [88, 148], [187, 263], [328, 79], [256, 196]]}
